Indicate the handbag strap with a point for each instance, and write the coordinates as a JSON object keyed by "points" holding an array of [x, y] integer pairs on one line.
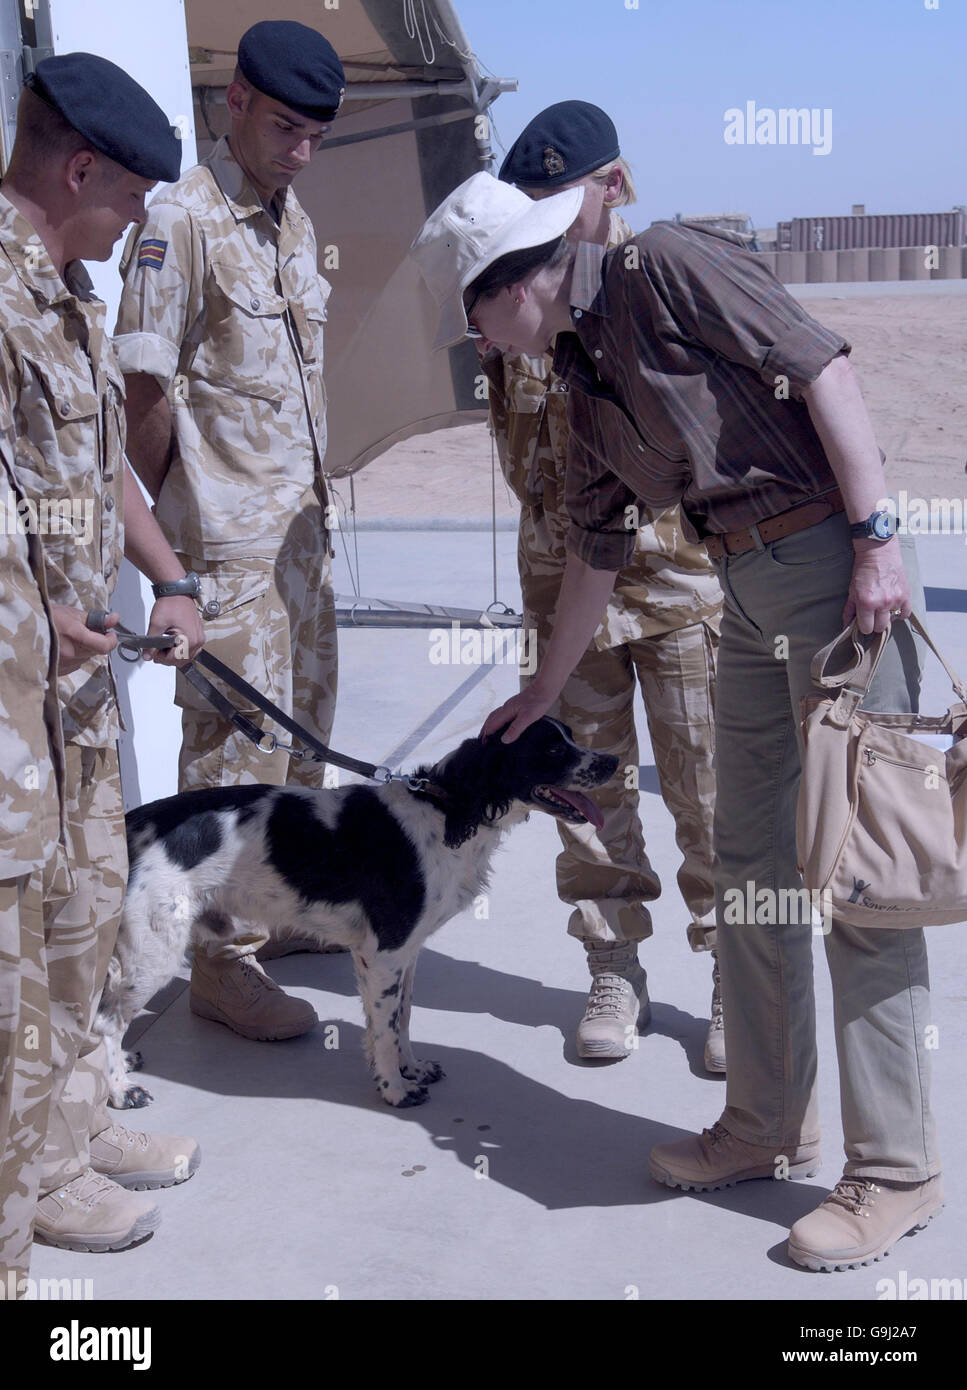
{"points": [[866, 656], [854, 679]]}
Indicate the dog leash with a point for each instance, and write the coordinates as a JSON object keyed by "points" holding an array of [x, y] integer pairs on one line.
{"points": [[132, 644], [269, 742]]}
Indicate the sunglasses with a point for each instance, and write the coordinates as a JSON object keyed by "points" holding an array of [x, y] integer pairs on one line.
{"points": [[472, 330]]}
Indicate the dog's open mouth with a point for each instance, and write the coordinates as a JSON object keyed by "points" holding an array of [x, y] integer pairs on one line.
{"points": [[570, 805]]}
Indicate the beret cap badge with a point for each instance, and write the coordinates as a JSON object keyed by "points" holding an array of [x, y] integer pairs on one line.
{"points": [[553, 162]]}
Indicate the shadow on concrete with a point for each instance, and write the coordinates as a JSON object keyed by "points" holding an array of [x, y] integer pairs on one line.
{"points": [[470, 988], [946, 600], [558, 1151]]}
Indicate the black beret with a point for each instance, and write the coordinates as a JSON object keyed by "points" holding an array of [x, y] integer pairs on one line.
{"points": [[563, 143], [105, 105], [294, 64]]}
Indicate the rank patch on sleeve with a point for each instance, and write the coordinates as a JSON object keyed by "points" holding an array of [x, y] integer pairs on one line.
{"points": [[152, 253]]}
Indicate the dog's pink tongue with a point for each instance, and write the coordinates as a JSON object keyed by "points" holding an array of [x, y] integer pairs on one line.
{"points": [[582, 804]]}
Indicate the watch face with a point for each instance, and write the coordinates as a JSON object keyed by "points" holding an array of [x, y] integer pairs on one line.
{"points": [[882, 525]]}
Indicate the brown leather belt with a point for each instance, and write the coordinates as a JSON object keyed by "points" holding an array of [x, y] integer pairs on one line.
{"points": [[773, 528]]}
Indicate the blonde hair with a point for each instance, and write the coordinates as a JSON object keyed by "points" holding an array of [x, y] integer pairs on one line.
{"points": [[628, 193]]}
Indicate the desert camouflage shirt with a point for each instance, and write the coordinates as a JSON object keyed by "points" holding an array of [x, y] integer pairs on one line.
{"points": [[61, 383], [670, 582], [225, 307], [31, 753]]}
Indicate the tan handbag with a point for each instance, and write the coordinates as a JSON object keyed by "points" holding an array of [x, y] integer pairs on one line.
{"points": [[881, 825]]}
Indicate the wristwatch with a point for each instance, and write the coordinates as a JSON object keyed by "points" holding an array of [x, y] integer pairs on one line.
{"points": [[190, 586], [878, 526]]}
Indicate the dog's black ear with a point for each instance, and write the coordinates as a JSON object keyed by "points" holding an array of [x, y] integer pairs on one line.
{"points": [[474, 780], [461, 826]]}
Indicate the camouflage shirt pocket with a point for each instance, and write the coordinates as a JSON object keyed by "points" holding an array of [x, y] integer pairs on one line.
{"points": [[230, 586], [245, 346]]}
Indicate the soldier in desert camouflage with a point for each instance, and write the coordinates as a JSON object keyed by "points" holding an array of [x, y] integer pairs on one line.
{"points": [[90, 145], [660, 632], [220, 337], [31, 832]]}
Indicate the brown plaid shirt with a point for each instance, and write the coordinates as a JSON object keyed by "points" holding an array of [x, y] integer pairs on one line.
{"points": [[685, 373]]}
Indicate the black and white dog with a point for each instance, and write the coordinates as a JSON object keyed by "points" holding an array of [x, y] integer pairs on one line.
{"points": [[375, 869]]}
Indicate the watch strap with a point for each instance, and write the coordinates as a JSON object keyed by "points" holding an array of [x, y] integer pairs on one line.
{"points": [[189, 587]]}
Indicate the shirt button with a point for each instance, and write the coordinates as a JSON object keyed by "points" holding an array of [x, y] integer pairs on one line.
{"points": [[109, 504], [577, 313], [109, 571], [256, 303], [598, 352], [64, 407]]}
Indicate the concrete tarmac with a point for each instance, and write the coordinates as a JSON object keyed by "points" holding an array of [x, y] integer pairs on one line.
{"points": [[524, 1176]]}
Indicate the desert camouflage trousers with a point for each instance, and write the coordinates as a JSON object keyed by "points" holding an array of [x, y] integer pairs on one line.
{"points": [[80, 929], [606, 874], [24, 1064], [275, 625]]}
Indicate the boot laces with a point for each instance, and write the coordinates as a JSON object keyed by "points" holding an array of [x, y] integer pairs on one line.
{"points": [[85, 1190], [608, 995], [716, 1134], [253, 980], [718, 1018], [855, 1194], [125, 1138]]}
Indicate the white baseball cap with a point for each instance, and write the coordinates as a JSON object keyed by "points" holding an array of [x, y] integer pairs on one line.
{"points": [[478, 223]]}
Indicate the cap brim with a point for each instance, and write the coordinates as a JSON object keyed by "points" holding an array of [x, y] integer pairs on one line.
{"points": [[540, 222]]}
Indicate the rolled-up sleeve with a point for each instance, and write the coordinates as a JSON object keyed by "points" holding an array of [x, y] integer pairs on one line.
{"points": [[726, 299], [602, 512], [162, 294]]}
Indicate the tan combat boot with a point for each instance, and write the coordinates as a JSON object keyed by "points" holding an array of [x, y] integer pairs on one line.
{"points": [[141, 1161], [93, 1213], [715, 1038], [715, 1158], [618, 1005], [238, 993], [860, 1220]]}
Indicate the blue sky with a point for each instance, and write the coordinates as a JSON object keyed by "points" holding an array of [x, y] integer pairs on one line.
{"points": [[892, 72]]}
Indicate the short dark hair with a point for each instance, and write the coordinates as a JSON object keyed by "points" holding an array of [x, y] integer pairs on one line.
{"points": [[507, 270], [43, 133]]}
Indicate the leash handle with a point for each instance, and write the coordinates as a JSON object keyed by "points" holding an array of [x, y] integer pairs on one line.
{"points": [[132, 644]]}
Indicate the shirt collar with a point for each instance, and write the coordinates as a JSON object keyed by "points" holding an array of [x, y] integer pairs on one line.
{"points": [[237, 188], [31, 260], [587, 284]]}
